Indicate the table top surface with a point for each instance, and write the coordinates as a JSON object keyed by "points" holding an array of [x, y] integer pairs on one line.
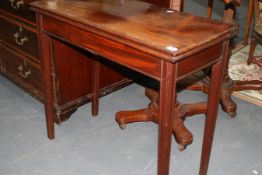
{"points": [[162, 29]]}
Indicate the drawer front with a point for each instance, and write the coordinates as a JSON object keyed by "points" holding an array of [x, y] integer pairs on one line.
{"points": [[19, 8], [21, 70], [19, 37]]}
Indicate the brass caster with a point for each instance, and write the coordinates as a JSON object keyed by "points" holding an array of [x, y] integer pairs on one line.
{"points": [[122, 126], [181, 147], [232, 114]]}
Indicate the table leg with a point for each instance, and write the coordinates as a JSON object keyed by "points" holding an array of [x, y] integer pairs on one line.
{"points": [[229, 13], [210, 8], [177, 5], [182, 135], [211, 116], [95, 87], [248, 23], [45, 57], [166, 103]]}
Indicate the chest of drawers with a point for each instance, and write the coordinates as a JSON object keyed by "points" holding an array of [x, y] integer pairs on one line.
{"points": [[19, 62]]}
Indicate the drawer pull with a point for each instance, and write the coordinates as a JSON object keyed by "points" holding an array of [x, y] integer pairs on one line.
{"points": [[24, 73], [19, 39], [16, 4]]}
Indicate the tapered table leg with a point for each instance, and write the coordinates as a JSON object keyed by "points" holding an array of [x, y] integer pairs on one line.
{"points": [[211, 116], [95, 87], [248, 22], [45, 55], [166, 102], [210, 8]]}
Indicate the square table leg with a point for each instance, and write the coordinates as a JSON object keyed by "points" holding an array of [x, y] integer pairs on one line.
{"points": [[248, 22], [95, 87], [212, 108], [166, 103], [45, 57]]}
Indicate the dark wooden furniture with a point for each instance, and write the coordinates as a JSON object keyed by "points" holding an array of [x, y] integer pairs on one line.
{"points": [[182, 135], [229, 9], [20, 63], [257, 29], [163, 44], [248, 22], [227, 104], [229, 86]]}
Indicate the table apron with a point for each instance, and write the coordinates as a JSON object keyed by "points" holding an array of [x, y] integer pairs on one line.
{"points": [[117, 52], [128, 56], [199, 61]]}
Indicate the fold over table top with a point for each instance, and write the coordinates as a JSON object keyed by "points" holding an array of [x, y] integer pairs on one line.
{"points": [[168, 32]]}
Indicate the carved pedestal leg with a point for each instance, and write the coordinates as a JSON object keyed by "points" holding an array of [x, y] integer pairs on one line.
{"points": [[227, 104], [228, 86], [125, 117], [182, 135]]}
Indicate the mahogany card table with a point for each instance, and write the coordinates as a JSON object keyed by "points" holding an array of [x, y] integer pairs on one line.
{"points": [[160, 43]]}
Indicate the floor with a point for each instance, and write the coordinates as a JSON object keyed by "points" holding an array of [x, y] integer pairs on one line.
{"points": [[86, 145]]}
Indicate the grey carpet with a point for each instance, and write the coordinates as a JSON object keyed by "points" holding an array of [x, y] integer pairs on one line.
{"points": [[86, 145]]}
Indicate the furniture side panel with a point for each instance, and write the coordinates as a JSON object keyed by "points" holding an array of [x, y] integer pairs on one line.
{"points": [[73, 73]]}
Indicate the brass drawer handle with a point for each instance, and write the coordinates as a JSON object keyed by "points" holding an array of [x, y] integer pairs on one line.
{"points": [[22, 39], [16, 4], [19, 39], [24, 73]]}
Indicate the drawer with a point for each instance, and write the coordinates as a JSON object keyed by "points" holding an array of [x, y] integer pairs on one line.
{"points": [[24, 72], [19, 8], [19, 36]]}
